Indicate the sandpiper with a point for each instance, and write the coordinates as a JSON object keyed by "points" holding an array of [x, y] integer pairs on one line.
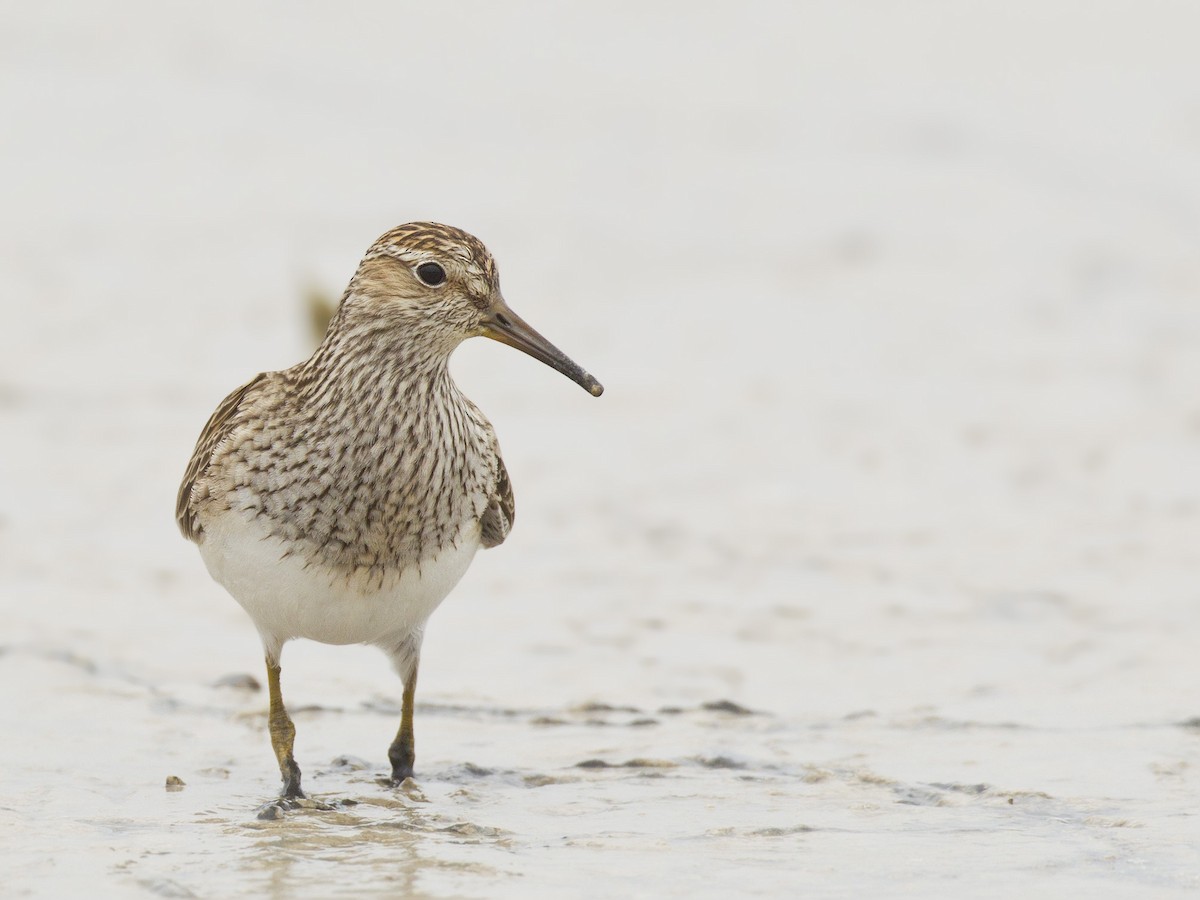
{"points": [[342, 499]]}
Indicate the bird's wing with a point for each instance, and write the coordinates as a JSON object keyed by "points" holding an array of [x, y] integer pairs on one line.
{"points": [[216, 430], [502, 511]]}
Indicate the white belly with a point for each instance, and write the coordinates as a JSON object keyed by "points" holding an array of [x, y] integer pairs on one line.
{"points": [[288, 599]]}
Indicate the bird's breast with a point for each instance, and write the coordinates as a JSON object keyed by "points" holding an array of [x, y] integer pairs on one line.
{"points": [[359, 484], [290, 593]]}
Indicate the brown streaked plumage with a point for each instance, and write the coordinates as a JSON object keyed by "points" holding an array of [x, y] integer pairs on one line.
{"points": [[341, 499]]}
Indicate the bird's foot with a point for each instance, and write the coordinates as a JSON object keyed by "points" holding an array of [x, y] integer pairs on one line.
{"points": [[399, 776], [401, 772], [406, 786], [276, 808]]}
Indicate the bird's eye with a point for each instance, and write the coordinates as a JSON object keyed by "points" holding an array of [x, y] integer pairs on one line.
{"points": [[431, 273]]}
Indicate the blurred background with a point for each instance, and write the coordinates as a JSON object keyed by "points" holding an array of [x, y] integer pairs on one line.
{"points": [[889, 515]]}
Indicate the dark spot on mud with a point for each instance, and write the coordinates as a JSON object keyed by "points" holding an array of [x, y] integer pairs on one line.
{"points": [[719, 762], [346, 762], [175, 783], [242, 681], [917, 796], [639, 762], [604, 707], [728, 706], [975, 789], [859, 714], [781, 832], [467, 771], [313, 708], [382, 705], [642, 762]]}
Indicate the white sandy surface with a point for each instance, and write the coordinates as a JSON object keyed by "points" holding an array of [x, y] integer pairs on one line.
{"points": [[897, 306]]}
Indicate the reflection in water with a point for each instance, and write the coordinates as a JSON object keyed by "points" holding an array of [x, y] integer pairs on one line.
{"points": [[379, 845]]}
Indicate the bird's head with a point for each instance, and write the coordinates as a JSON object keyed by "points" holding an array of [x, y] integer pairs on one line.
{"points": [[440, 284]]}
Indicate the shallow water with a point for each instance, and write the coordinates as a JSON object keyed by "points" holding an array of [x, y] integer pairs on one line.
{"points": [[874, 572]]}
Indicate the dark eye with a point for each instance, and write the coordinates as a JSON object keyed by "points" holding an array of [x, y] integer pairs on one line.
{"points": [[431, 274]]}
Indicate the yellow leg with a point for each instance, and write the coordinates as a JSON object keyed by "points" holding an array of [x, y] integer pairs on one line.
{"points": [[403, 750], [283, 735]]}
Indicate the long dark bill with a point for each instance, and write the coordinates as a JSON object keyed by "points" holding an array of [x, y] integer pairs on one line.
{"points": [[505, 326]]}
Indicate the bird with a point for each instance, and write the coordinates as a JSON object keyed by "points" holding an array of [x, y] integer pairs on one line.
{"points": [[342, 499]]}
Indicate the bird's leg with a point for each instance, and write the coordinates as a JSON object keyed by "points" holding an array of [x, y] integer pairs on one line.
{"points": [[283, 735], [402, 753]]}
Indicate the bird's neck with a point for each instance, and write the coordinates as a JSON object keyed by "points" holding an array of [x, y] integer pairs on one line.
{"points": [[377, 416], [377, 369]]}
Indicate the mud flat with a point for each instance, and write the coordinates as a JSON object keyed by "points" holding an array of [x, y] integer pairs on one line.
{"points": [[873, 573]]}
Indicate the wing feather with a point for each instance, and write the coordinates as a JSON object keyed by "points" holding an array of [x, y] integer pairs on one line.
{"points": [[219, 425], [498, 518]]}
